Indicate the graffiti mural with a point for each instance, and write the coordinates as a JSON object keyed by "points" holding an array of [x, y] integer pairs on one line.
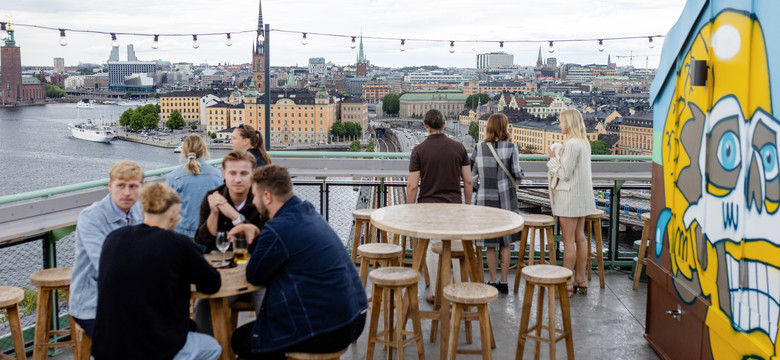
{"points": [[717, 145]]}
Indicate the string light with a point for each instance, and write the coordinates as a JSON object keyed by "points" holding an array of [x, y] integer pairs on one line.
{"points": [[352, 44], [452, 47], [501, 46], [303, 39], [3, 32], [228, 42], [195, 44], [260, 36], [63, 39], [114, 43], [650, 42], [403, 45], [601, 45], [551, 49], [156, 43]]}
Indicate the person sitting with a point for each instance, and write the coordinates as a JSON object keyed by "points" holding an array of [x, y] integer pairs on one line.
{"points": [[119, 208], [144, 287], [245, 137], [315, 301]]}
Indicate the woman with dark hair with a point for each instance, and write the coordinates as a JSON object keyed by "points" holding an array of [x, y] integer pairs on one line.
{"points": [[246, 138], [497, 171]]}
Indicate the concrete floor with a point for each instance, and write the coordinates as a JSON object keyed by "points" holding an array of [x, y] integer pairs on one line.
{"points": [[608, 323]]}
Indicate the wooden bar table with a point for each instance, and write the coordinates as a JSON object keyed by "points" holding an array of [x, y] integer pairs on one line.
{"points": [[447, 222], [233, 283]]}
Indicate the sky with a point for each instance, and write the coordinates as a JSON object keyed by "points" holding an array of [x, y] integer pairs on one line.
{"points": [[537, 21]]}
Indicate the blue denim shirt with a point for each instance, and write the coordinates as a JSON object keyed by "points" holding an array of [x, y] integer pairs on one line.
{"points": [[312, 285], [94, 224], [192, 188]]}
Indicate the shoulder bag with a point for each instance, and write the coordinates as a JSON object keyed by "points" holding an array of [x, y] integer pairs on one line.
{"points": [[500, 163]]}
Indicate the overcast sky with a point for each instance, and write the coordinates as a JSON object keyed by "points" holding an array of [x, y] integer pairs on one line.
{"points": [[539, 20]]}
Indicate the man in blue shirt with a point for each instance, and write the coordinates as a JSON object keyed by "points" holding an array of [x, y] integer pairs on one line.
{"points": [[315, 301], [119, 208]]}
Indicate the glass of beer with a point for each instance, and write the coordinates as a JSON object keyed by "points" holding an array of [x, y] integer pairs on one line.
{"points": [[240, 249]]}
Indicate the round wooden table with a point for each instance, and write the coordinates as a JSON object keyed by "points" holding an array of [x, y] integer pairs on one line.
{"points": [[447, 222], [233, 283]]}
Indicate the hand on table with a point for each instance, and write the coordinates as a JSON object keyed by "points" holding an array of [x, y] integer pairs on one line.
{"points": [[250, 232]]}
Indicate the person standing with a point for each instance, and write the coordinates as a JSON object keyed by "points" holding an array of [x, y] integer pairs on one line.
{"points": [[246, 138], [144, 287], [119, 208], [192, 181], [497, 170], [572, 199], [436, 168]]}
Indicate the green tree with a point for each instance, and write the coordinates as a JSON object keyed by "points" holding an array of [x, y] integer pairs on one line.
{"points": [[175, 121], [124, 120], [136, 121], [128, 95], [599, 147], [352, 128], [391, 103], [474, 131], [354, 146], [86, 71], [338, 129], [213, 136], [371, 146], [471, 101], [53, 91], [150, 121], [194, 126]]}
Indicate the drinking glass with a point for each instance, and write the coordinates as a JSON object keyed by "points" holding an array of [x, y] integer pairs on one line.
{"points": [[223, 244], [240, 249]]}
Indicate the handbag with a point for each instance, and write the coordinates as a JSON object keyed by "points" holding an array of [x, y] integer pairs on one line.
{"points": [[500, 163]]}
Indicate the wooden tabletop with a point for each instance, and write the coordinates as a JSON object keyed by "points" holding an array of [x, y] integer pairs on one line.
{"points": [[447, 221], [233, 279]]}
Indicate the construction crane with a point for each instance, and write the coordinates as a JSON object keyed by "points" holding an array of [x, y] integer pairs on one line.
{"points": [[631, 59]]}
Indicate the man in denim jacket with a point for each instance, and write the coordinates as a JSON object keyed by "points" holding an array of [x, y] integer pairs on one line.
{"points": [[119, 208], [315, 301]]}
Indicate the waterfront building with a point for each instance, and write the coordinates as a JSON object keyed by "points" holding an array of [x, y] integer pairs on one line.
{"points": [[494, 60], [355, 110], [13, 86], [474, 87], [96, 81], [222, 115], [73, 82], [450, 102], [191, 104], [375, 90], [120, 71]]}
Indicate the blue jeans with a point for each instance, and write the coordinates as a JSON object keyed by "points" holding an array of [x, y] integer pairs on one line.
{"points": [[199, 347]]}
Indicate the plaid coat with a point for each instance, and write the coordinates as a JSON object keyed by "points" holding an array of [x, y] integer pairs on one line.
{"points": [[494, 187]]}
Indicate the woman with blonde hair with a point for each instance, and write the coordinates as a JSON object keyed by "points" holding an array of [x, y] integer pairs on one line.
{"points": [[571, 185], [192, 181], [246, 138], [497, 171]]}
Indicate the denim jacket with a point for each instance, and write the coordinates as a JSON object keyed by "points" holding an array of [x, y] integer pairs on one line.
{"points": [[312, 285], [94, 224], [192, 188]]}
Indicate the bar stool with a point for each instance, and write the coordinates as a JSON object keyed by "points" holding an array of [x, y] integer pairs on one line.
{"points": [[464, 295], [593, 228], [389, 284], [533, 222], [308, 356], [363, 221], [456, 253], [48, 281], [551, 278], [9, 300], [401, 240], [381, 254], [640, 257]]}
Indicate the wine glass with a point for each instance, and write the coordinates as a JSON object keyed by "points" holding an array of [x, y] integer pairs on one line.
{"points": [[223, 244]]}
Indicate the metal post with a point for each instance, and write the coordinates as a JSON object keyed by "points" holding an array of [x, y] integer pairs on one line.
{"points": [[324, 191], [382, 192], [614, 224], [267, 87]]}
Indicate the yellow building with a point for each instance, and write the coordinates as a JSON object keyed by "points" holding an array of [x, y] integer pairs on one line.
{"points": [[355, 110], [499, 86], [636, 135], [187, 102], [535, 135]]}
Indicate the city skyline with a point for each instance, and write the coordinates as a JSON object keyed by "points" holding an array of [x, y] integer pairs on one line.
{"points": [[399, 19]]}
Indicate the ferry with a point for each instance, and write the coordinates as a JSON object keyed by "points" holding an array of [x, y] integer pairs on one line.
{"points": [[177, 150], [92, 132], [85, 104]]}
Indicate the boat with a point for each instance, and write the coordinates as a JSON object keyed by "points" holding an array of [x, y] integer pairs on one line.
{"points": [[177, 150], [92, 132], [85, 104], [131, 103]]}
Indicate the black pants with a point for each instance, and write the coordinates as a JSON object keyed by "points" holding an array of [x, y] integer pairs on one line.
{"points": [[88, 325], [324, 343]]}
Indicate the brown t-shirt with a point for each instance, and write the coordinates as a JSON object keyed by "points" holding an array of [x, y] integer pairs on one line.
{"points": [[439, 160]]}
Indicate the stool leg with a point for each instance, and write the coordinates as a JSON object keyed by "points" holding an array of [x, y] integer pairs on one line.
{"points": [[542, 251], [524, 317], [16, 332], [400, 322], [42, 324], [437, 299], [84, 343], [367, 238], [376, 303], [588, 232], [364, 271], [484, 330], [452, 345], [551, 245], [414, 312], [388, 326], [640, 258], [532, 245], [520, 258], [539, 310], [566, 322], [464, 278], [599, 250], [551, 319], [356, 240]]}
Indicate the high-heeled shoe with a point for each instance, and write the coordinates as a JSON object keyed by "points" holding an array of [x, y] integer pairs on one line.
{"points": [[570, 289], [581, 290]]}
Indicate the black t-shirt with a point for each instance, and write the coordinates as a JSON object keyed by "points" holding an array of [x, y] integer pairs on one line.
{"points": [[439, 160]]}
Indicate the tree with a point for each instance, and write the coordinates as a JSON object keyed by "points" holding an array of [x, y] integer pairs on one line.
{"points": [[175, 121], [194, 126], [136, 121], [150, 121], [354, 146], [213, 136], [474, 131], [391, 103], [128, 95], [599, 147], [352, 128], [338, 129], [471, 101], [371, 146], [124, 120], [53, 91]]}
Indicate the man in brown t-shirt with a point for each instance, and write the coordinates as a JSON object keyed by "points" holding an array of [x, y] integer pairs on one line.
{"points": [[436, 167]]}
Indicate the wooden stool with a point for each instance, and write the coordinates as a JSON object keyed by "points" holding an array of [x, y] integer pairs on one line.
{"points": [[401, 240], [307, 356], [236, 308], [377, 254], [640, 257], [363, 220], [593, 227], [464, 295], [48, 281], [83, 344], [533, 222], [552, 278], [456, 252], [389, 284], [9, 300]]}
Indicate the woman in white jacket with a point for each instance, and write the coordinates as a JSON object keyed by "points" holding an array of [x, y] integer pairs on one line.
{"points": [[571, 186]]}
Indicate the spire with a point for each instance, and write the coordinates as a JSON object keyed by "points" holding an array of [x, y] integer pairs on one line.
{"points": [[260, 29], [361, 55], [540, 53]]}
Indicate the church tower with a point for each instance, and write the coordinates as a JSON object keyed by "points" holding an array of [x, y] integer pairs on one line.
{"points": [[539, 62], [258, 54], [361, 68]]}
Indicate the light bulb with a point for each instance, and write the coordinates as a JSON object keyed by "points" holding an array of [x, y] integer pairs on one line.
{"points": [[452, 47], [156, 43], [303, 39], [114, 42], [403, 45], [63, 39], [551, 49], [260, 36], [500, 46], [601, 45], [352, 44], [228, 42], [650, 43], [195, 44], [3, 33]]}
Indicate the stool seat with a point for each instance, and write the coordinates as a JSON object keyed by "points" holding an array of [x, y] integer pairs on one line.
{"points": [[456, 248], [646, 216], [56, 277], [470, 293], [308, 356], [380, 250], [597, 215], [394, 276], [10, 296], [538, 220], [362, 214], [546, 274]]}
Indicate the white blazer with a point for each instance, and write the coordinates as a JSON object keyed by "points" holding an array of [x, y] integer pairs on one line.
{"points": [[571, 183]]}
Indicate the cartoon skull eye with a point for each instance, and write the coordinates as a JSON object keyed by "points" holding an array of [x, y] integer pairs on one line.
{"points": [[769, 158], [729, 154]]}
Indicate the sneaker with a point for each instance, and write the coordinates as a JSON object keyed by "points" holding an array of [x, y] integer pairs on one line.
{"points": [[493, 284], [502, 287]]}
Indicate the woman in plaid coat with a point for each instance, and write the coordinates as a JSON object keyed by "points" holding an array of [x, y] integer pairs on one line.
{"points": [[496, 188]]}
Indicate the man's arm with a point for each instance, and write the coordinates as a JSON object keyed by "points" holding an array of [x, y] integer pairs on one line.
{"points": [[91, 236], [468, 183], [411, 187], [269, 256], [204, 235]]}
